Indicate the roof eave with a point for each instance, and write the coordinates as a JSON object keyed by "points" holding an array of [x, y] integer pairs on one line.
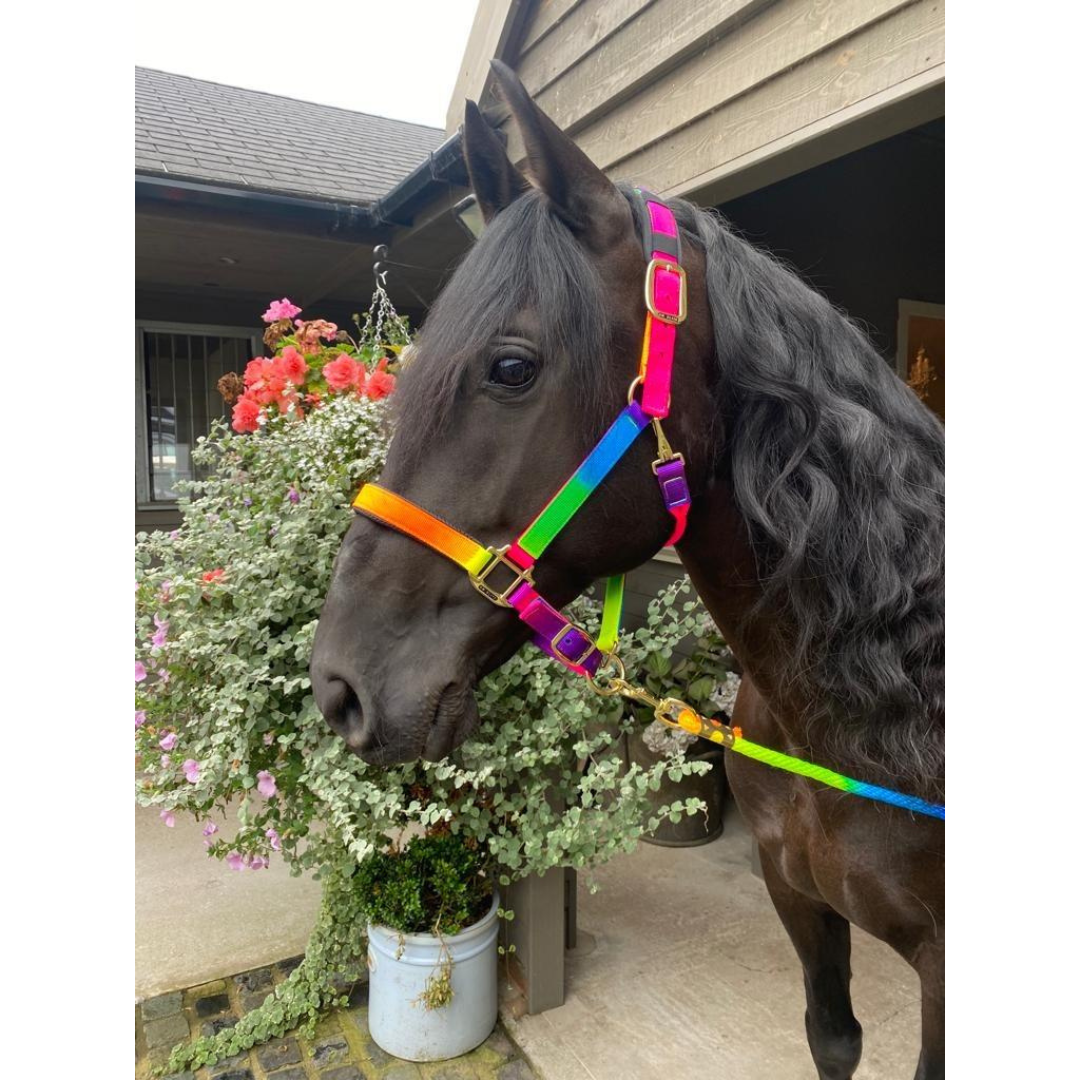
{"points": [[322, 217]]}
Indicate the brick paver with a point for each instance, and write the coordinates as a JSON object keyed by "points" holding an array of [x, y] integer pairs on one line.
{"points": [[341, 1049]]}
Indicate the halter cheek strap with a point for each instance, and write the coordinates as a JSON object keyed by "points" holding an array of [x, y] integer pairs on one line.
{"points": [[504, 575]]}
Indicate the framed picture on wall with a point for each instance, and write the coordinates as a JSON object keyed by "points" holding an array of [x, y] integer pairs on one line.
{"points": [[920, 351]]}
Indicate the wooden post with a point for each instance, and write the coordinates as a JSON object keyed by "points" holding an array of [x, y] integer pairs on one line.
{"points": [[543, 927]]}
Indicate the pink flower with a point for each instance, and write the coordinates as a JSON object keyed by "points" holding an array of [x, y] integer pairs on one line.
{"points": [[140, 671], [166, 591], [343, 373], [259, 863], [268, 739], [293, 365], [294, 496], [191, 770], [158, 640], [235, 860], [267, 785], [275, 840], [165, 761], [163, 675], [210, 829], [140, 717], [281, 309], [380, 383], [245, 415], [256, 371], [169, 741], [169, 818]]}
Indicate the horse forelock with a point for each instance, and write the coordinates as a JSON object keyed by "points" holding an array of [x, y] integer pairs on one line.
{"points": [[526, 261]]}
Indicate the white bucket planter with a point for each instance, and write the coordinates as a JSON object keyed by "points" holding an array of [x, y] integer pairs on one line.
{"points": [[401, 966]]}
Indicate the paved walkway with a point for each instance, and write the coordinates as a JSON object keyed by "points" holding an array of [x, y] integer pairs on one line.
{"points": [[342, 1048], [683, 972], [196, 920]]}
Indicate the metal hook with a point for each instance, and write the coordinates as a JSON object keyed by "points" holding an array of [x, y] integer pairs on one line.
{"points": [[381, 253]]}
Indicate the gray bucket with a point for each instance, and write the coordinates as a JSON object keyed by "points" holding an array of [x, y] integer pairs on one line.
{"points": [[401, 966]]}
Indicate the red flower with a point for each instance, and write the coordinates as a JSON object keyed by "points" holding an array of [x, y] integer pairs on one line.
{"points": [[343, 373], [293, 365], [380, 382], [213, 575], [256, 370], [245, 414]]}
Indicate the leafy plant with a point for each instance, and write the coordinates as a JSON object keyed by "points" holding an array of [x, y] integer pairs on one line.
{"points": [[226, 724], [436, 884]]}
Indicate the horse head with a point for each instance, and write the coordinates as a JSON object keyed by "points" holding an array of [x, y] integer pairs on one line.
{"points": [[522, 364]]}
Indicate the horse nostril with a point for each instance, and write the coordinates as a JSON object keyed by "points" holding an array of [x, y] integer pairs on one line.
{"points": [[343, 712]]}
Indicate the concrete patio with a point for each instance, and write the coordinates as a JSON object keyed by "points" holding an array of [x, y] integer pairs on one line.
{"points": [[683, 971]]}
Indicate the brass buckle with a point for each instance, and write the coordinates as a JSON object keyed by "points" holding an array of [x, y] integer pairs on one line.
{"points": [[561, 634], [479, 581], [650, 289]]}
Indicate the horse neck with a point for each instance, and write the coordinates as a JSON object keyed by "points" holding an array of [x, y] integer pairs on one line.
{"points": [[718, 557]]}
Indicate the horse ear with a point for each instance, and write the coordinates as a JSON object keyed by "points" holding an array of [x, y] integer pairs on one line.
{"points": [[583, 196], [494, 179]]}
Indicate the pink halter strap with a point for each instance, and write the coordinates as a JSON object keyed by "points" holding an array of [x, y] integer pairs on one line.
{"points": [[489, 568]]}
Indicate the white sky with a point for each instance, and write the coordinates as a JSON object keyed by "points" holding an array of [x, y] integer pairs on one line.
{"points": [[395, 58]]}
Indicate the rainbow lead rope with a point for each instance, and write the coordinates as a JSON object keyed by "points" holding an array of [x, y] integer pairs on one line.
{"points": [[731, 737]]}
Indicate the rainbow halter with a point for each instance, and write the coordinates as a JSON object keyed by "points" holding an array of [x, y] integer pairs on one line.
{"points": [[553, 632]]}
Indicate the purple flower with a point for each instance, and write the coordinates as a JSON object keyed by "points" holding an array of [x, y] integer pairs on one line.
{"points": [[161, 633], [267, 785], [174, 534], [294, 496], [275, 841], [168, 741], [259, 863], [191, 770], [210, 829], [247, 501], [140, 671], [169, 818], [235, 860], [140, 717]]}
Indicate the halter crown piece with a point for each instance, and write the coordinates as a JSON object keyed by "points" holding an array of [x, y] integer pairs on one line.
{"points": [[503, 575]]}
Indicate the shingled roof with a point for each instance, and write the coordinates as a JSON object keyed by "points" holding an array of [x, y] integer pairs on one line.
{"points": [[197, 130]]}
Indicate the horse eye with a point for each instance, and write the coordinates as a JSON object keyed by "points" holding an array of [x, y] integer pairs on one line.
{"points": [[516, 372]]}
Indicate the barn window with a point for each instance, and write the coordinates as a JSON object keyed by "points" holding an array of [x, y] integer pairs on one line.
{"points": [[177, 371]]}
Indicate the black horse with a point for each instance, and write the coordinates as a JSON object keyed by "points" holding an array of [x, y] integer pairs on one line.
{"points": [[816, 538]]}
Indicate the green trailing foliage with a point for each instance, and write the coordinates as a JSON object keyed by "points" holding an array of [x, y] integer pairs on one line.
{"points": [[226, 724]]}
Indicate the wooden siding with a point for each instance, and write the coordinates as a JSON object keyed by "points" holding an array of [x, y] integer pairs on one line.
{"points": [[681, 94]]}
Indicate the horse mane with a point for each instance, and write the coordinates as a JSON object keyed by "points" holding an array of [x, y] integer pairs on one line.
{"points": [[837, 468], [838, 471]]}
